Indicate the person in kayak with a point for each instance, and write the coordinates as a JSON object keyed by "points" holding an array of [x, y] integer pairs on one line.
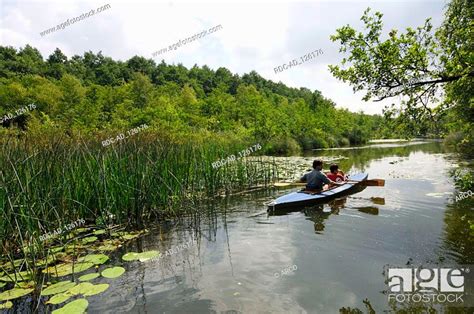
{"points": [[335, 174], [316, 179]]}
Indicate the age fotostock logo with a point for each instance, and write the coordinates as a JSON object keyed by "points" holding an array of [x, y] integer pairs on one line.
{"points": [[428, 285]]}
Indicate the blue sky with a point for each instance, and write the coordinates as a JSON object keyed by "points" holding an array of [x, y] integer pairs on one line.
{"points": [[255, 35]]}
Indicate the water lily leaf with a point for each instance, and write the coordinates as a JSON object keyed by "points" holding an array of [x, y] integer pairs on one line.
{"points": [[142, 257], [58, 288], [113, 272], [6, 305], [89, 240], [107, 247], [56, 249], [126, 235], [87, 289], [16, 264], [89, 277], [43, 262], [131, 256], [96, 259], [67, 269], [20, 276], [75, 307], [14, 294], [81, 288], [81, 230], [130, 236], [96, 289], [145, 256], [2, 284], [74, 247], [59, 298], [99, 232], [119, 234], [29, 284]]}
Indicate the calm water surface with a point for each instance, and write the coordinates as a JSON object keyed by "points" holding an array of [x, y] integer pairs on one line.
{"points": [[335, 253]]}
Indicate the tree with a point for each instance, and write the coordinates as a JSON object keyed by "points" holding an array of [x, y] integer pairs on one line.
{"points": [[417, 65], [93, 92], [142, 65], [56, 64]]}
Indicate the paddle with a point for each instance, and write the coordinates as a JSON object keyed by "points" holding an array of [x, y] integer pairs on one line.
{"points": [[371, 182], [283, 184]]}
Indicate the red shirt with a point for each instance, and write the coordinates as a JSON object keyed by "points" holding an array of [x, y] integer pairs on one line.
{"points": [[336, 177]]}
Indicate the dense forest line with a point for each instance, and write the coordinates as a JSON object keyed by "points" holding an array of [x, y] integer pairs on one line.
{"points": [[93, 94]]}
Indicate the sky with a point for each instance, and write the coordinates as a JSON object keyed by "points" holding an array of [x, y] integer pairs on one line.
{"points": [[256, 35]]}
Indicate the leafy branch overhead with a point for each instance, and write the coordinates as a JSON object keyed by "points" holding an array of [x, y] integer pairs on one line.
{"points": [[422, 65]]}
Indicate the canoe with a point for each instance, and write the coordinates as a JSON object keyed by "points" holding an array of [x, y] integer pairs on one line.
{"points": [[303, 198]]}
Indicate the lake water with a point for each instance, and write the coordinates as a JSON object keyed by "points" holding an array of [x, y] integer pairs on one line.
{"points": [[310, 260]]}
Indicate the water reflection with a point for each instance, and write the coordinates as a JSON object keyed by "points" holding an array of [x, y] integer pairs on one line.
{"points": [[340, 248]]}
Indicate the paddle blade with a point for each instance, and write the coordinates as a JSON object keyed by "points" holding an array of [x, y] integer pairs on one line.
{"points": [[283, 184], [373, 182]]}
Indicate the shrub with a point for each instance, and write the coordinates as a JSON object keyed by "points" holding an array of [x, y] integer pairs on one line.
{"points": [[283, 146]]}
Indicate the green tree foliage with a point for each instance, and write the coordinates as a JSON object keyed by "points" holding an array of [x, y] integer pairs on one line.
{"points": [[92, 93], [431, 70]]}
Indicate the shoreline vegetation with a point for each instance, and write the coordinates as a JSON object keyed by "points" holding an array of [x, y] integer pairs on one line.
{"points": [[69, 159], [50, 182], [55, 170]]}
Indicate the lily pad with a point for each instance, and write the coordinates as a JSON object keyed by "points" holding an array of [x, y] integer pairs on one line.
{"points": [[99, 232], [89, 277], [20, 276], [6, 305], [131, 256], [81, 288], [18, 262], [113, 272], [14, 294], [145, 256], [25, 284], [126, 235], [58, 288], [96, 259], [2, 284], [96, 289], [87, 240], [81, 230], [67, 269], [56, 249], [87, 289], [75, 307], [59, 298], [46, 261], [142, 257], [107, 247], [130, 236], [74, 247]]}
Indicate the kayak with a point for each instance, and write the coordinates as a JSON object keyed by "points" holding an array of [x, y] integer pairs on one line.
{"points": [[307, 198]]}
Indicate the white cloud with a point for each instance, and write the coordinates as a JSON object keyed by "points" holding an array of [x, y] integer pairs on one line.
{"points": [[255, 35]]}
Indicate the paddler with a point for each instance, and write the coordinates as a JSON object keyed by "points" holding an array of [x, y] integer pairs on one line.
{"points": [[335, 174], [316, 179]]}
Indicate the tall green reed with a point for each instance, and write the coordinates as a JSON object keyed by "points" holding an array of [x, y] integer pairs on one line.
{"points": [[46, 183]]}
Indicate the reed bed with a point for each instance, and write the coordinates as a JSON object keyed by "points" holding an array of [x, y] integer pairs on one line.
{"points": [[45, 184]]}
